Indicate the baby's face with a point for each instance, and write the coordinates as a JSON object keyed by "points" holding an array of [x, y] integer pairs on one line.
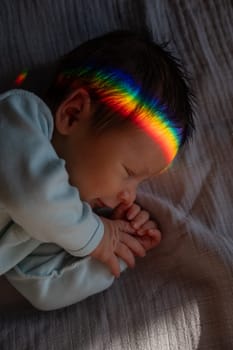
{"points": [[108, 169]]}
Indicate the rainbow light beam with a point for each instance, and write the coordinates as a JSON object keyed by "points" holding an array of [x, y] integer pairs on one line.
{"points": [[124, 95]]}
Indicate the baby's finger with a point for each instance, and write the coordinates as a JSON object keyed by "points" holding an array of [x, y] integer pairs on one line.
{"points": [[125, 226], [125, 254], [154, 233], [151, 240], [150, 224], [140, 219], [114, 266], [132, 243], [133, 211]]}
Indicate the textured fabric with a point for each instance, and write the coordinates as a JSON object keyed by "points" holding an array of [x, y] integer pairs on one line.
{"points": [[180, 295]]}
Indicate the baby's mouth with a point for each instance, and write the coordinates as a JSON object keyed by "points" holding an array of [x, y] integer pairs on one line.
{"points": [[100, 204]]}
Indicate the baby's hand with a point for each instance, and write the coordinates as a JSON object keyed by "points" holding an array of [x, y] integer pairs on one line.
{"points": [[147, 232], [118, 241]]}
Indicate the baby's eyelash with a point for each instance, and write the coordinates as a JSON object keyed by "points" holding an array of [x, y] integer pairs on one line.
{"points": [[130, 172]]}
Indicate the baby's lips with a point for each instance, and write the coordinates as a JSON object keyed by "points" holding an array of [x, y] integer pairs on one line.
{"points": [[120, 209]]}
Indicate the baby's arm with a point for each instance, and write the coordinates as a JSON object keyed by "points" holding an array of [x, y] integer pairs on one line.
{"points": [[49, 278], [34, 184]]}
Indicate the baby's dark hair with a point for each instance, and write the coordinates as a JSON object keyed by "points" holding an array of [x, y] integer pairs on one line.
{"points": [[152, 66]]}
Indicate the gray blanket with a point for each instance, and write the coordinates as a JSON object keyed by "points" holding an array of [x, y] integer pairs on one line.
{"points": [[181, 295]]}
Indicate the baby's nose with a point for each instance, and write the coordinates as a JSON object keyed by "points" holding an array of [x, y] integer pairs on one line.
{"points": [[127, 197]]}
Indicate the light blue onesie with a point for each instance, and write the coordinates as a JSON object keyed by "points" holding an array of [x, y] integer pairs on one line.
{"points": [[46, 231]]}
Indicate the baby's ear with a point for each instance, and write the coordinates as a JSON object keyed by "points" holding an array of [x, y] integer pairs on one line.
{"points": [[74, 109]]}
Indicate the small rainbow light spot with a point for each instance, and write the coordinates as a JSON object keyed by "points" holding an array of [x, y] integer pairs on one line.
{"points": [[21, 77]]}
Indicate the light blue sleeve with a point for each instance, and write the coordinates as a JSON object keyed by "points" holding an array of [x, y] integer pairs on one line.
{"points": [[49, 278], [15, 245], [34, 186]]}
